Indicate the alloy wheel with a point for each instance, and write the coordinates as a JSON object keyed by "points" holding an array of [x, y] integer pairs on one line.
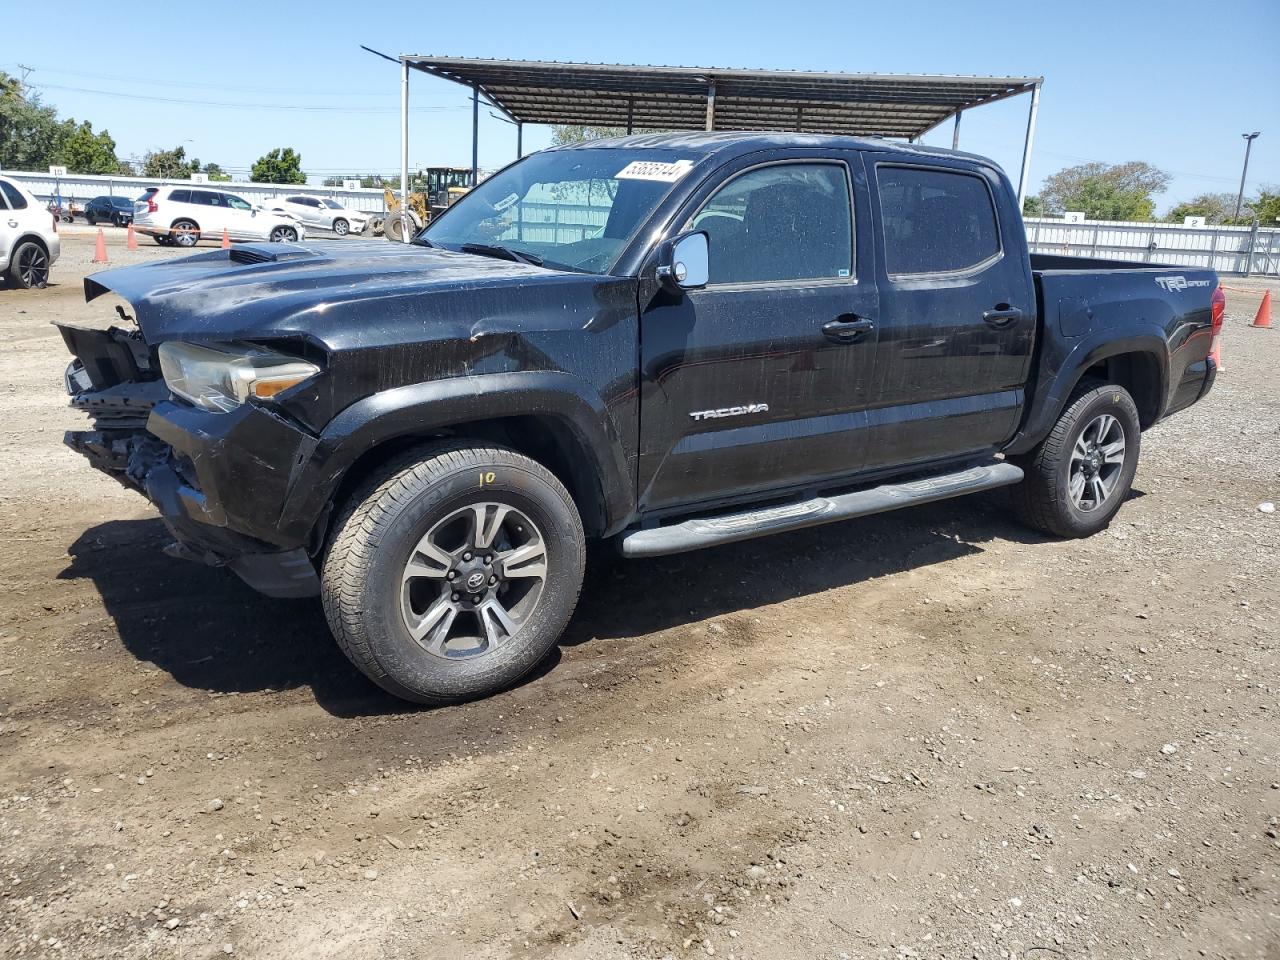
{"points": [[473, 581], [33, 266], [1097, 460]]}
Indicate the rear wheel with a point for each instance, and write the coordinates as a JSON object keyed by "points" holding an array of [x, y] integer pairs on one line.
{"points": [[30, 265], [453, 571], [341, 227], [283, 235], [184, 233], [1079, 475]]}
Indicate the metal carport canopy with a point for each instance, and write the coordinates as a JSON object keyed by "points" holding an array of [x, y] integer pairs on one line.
{"points": [[715, 98]]}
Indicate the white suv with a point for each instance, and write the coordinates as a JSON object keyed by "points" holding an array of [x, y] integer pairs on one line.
{"points": [[322, 213], [182, 215], [28, 237]]}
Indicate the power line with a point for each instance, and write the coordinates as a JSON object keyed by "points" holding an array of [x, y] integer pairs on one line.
{"points": [[240, 105]]}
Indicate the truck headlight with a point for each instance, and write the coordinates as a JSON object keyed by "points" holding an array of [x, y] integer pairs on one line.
{"points": [[221, 378]]}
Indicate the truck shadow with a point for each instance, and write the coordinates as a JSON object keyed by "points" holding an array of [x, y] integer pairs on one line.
{"points": [[211, 632]]}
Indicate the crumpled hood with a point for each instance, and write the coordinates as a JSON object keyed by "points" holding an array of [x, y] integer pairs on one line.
{"points": [[262, 290]]}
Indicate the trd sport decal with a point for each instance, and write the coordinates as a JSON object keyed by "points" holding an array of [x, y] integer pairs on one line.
{"points": [[730, 411]]}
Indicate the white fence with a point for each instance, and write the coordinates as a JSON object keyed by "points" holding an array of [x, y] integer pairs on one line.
{"points": [[1246, 250], [83, 187]]}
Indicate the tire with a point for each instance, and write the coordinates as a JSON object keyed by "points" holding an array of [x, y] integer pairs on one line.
{"points": [[341, 227], [92, 221], [425, 500], [283, 235], [29, 266], [184, 233], [162, 239], [1076, 479], [393, 229]]}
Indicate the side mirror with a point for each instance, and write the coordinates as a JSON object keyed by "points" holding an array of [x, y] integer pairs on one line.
{"points": [[684, 262]]}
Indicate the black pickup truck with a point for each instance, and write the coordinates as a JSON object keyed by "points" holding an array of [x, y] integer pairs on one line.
{"points": [[666, 341]]}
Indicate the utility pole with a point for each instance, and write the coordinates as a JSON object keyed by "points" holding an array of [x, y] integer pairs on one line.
{"points": [[1248, 145]]}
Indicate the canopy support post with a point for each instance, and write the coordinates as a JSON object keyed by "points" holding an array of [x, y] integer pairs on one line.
{"points": [[475, 134], [631, 114], [711, 104], [519, 139], [404, 149], [1026, 146], [955, 133]]}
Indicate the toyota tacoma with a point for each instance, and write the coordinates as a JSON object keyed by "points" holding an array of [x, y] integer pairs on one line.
{"points": [[663, 341]]}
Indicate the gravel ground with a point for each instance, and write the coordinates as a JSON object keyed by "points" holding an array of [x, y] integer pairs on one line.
{"points": [[926, 734]]}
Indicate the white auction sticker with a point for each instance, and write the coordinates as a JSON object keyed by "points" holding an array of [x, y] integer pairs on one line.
{"points": [[506, 201], [654, 170]]}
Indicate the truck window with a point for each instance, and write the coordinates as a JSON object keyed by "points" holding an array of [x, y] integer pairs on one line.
{"points": [[935, 221], [789, 221]]}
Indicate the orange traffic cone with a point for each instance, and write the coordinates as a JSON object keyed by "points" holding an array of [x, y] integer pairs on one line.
{"points": [[1215, 352], [226, 239], [131, 243], [100, 248], [1263, 319]]}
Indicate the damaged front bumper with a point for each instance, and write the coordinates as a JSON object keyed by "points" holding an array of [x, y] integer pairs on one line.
{"points": [[219, 480]]}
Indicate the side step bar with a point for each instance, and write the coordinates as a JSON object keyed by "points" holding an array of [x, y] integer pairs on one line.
{"points": [[728, 528]]}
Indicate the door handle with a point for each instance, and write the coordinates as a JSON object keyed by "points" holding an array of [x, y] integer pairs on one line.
{"points": [[847, 327], [1002, 316], [13, 223]]}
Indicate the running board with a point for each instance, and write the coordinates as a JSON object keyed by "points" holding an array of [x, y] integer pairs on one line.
{"points": [[728, 528]]}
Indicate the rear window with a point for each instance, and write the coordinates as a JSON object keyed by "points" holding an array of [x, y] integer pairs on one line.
{"points": [[935, 221], [180, 196], [15, 197]]}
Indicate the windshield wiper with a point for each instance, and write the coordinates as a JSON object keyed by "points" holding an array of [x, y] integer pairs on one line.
{"points": [[506, 253]]}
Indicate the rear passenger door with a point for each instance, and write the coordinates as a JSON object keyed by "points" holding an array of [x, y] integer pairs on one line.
{"points": [[957, 314]]}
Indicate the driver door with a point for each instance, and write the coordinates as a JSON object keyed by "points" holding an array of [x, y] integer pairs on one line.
{"points": [[759, 380]]}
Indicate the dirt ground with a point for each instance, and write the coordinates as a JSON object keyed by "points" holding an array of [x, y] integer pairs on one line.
{"points": [[926, 734]]}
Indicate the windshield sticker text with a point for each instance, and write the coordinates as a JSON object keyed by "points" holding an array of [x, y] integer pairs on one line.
{"points": [[654, 170]]}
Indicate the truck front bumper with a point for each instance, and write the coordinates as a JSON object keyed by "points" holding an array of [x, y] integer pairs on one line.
{"points": [[218, 480]]}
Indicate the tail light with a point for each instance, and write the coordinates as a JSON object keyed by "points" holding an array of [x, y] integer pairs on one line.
{"points": [[1217, 307], [151, 206]]}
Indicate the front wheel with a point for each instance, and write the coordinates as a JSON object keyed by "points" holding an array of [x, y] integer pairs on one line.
{"points": [[341, 227], [283, 235], [92, 221], [1079, 475], [453, 571]]}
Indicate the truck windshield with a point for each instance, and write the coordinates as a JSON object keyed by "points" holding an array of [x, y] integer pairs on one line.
{"points": [[571, 209]]}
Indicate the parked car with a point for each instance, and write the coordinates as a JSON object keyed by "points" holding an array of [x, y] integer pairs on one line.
{"points": [[768, 332], [115, 210], [321, 213], [29, 243], [182, 215]]}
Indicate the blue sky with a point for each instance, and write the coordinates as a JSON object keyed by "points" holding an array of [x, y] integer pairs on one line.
{"points": [[1172, 83]]}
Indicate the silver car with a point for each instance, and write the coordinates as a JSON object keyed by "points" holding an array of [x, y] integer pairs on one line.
{"points": [[322, 213]]}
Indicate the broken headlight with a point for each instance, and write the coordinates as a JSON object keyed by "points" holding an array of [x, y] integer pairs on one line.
{"points": [[221, 378]]}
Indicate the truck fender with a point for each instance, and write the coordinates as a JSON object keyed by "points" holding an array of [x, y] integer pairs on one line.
{"points": [[1050, 398], [424, 408]]}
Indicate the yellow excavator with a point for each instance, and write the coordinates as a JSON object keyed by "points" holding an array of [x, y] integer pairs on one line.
{"points": [[444, 185]]}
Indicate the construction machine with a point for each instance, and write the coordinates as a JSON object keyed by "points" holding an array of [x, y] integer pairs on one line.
{"points": [[444, 185]]}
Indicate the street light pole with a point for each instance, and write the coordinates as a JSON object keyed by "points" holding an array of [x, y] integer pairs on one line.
{"points": [[1248, 145]]}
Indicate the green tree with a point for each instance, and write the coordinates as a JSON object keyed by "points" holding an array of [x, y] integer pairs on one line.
{"points": [[576, 133], [83, 151], [1103, 191], [169, 164], [30, 134], [1214, 207], [1267, 207], [1032, 206], [216, 173], [281, 165]]}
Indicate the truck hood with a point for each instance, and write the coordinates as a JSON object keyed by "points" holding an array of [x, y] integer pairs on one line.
{"points": [[276, 289]]}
